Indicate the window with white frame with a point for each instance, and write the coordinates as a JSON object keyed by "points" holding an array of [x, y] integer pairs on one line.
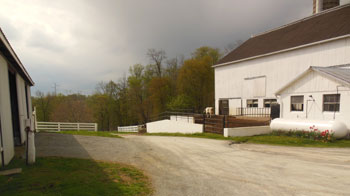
{"points": [[331, 103], [297, 103], [268, 102], [252, 103]]}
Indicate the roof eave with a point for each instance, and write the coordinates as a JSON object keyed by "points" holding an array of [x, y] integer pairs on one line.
{"points": [[15, 57], [280, 90], [282, 51]]}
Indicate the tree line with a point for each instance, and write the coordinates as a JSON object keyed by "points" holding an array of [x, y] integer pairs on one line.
{"points": [[148, 90]]}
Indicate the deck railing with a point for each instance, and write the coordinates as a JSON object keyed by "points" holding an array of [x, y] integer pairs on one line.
{"points": [[253, 112]]}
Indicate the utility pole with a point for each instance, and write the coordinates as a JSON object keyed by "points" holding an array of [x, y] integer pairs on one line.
{"points": [[55, 87]]}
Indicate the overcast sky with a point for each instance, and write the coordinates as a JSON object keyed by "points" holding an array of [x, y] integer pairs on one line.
{"points": [[77, 43]]}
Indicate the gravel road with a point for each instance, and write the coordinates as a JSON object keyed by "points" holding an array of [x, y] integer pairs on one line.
{"points": [[191, 166]]}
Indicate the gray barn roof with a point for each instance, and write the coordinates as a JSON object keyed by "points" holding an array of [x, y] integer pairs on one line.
{"points": [[340, 73], [327, 25]]}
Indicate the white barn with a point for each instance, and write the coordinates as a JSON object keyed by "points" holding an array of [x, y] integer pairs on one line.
{"points": [[250, 75], [15, 100]]}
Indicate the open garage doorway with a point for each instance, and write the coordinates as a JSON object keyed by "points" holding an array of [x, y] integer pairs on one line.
{"points": [[14, 108]]}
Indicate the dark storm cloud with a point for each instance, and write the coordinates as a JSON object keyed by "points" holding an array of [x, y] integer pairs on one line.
{"points": [[79, 43]]}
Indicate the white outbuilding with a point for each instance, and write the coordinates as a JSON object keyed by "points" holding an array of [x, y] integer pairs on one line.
{"points": [[320, 94], [15, 100]]}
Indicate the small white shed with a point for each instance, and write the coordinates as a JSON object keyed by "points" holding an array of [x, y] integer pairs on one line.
{"points": [[320, 93], [15, 100]]}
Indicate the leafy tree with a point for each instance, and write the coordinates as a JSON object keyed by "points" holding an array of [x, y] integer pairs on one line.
{"points": [[196, 82], [138, 93], [205, 51], [44, 106], [99, 104], [71, 108], [159, 90], [180, 102]]}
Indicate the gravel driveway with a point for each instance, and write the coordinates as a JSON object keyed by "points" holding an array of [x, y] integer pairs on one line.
{"points": [[191, 166]]}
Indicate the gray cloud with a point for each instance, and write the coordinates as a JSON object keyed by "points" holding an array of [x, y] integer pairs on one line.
{"points": [[40, 39], [79, 43]]}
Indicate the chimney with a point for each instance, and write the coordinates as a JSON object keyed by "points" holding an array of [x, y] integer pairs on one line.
{"points": [[320, 5]]}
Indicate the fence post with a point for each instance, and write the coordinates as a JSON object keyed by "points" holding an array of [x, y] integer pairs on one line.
{"points": [[59, 126], [223, 121], [35, 120], [203, 123], [95, 126], [78, 126]]}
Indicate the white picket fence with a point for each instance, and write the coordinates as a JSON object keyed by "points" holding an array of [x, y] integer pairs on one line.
{"points": [[135, 128], [61, 126]]}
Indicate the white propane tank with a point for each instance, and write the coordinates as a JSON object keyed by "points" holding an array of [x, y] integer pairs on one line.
{"points": [[339, 128]]}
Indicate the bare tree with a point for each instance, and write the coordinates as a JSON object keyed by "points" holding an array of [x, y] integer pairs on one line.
{"points": [[157, 57]]}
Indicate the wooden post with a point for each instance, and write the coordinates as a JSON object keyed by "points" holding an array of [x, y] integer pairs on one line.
{"points": [[223, 122], [35, 120], [203, 123], [95, 126], [59, 126], [78, 126]]}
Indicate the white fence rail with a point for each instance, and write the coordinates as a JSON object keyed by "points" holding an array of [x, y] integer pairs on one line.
{"points": [[188, 119], [130, 128], [61, 126]]}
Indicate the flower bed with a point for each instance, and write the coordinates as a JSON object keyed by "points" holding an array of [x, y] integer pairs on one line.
{"points": [[313, 134]]}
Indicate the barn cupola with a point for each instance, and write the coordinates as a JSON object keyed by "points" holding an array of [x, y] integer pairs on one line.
{"points": [[320, 5]]}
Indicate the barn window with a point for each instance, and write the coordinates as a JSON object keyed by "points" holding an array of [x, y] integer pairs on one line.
{"points": [[297, 103], [331, 103], [254, 87], [252, 103], [268, 102]]}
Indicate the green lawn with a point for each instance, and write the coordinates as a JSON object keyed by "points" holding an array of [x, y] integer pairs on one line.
{"points": [[92, 133], [68, 176], [290, 141]]}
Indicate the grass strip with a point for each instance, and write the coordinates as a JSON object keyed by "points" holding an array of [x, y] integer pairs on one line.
{"points": [[265, 139], [292, 141], [92, 133], [70, 176], [196, 135]]}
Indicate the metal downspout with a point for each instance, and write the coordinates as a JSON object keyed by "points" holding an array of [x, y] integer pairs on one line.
{"points": [[339, 100]]}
